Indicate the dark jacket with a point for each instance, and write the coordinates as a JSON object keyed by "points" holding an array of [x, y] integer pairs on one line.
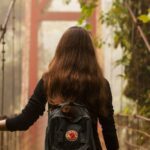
{"points": [[36, 107]]}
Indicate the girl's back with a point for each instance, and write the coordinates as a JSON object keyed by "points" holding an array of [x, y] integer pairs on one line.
{"points": [[73, 75]]}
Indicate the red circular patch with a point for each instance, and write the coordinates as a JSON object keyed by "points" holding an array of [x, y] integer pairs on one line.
{"points": [[71, 135]]}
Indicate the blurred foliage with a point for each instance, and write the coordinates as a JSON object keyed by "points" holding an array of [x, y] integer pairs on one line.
{"points": [[87, 9], [136, 57], [145, 18]]}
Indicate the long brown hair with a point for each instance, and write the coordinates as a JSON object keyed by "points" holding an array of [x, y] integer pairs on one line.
{"points": [[74, 73]]}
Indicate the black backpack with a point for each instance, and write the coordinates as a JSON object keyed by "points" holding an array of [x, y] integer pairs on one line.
{"points": [[69, 128]]}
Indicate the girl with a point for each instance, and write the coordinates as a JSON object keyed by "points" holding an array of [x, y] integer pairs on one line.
{"points": [[73, 74]]}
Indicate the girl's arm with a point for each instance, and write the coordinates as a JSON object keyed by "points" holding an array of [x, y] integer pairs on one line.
{"points": [[31, 112], [108, 125]]}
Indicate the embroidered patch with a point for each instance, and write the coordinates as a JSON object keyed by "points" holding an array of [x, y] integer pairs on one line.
{"points": [[71, 135]]}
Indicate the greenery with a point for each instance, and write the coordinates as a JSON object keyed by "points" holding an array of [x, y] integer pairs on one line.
{"points": [[87, 9], [136, 57], [145, 18]]}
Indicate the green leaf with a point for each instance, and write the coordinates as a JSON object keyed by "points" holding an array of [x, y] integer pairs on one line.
{"points": [[88, 26], [144, 18], [116, 40]]}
